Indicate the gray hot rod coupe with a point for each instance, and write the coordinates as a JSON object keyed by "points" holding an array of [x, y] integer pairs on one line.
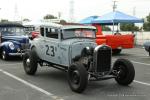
{"points": [[72, 48]]}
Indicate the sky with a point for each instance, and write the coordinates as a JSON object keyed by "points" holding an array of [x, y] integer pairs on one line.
{"points": [[36, 9]]}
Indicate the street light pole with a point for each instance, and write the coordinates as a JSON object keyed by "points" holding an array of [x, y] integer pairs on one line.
{"points": [[114, 6]]}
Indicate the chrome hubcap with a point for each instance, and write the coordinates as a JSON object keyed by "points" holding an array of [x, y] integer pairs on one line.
{"points": [[3, 55], [28, 62]]}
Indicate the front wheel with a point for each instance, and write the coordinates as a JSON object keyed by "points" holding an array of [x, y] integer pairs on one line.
{"points": [[30, 62], [4, 55], [149, 51], [125, 71], [77, 77]]}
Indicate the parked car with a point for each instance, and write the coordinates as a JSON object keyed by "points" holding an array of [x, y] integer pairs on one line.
{"points": [[73, 50], [147, 46], [13, 40]]}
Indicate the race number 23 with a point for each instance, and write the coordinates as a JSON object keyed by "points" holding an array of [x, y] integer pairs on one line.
{"points": [[50, 50]]}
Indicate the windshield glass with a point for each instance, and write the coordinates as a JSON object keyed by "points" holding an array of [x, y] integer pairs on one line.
{"points": [[12, 31], [78, 33]]}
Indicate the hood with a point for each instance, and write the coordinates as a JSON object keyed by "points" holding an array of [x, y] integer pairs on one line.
{"points": [[78, 40], [77, 46], [17, 39]]}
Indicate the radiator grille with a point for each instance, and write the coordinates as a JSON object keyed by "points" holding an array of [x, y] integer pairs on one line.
{"points": [[103, 59], [25, 46]]}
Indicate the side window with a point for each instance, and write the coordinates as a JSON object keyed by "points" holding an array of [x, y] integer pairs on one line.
{"points": [[42, 31], [52, 33]]}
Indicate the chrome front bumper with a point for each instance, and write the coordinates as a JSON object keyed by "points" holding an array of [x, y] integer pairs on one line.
{"points": [[16, 54]]}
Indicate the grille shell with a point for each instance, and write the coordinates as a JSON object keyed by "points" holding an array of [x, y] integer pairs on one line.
{"points": [[102, 58]]}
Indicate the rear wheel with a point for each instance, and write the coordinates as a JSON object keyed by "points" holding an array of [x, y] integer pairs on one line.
{"points": [[125, 71], [116, 51], [30, 62], [77, 77]]}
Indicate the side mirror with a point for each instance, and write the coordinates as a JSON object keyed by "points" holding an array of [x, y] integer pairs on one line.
{"points": [[34, 34]]}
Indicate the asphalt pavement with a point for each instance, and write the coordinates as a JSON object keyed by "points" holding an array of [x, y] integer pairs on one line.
{"points": [[51, 84]]}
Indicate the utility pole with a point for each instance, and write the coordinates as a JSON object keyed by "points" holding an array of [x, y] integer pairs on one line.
{"points": [[16, 15], [114, 6], [71, 12], [134, 11]]}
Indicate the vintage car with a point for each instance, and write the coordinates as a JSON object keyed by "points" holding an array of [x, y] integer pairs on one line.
{"points": [[73, 49], [147, 46], [13, 40]]}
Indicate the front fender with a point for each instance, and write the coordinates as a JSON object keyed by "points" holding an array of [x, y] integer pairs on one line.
{"points": [[5, 46]]}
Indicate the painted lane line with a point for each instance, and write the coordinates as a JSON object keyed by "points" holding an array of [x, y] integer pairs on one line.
{"points": [[113, 60], [141, 63], [147, 84], [10, 64], [54, 97]]}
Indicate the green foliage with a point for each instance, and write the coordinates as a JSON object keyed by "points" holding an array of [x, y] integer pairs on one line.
{"points": [[49, 16], [146, 25], [128, 27], [105, 28], [62, 22], [26, 19], [4, 20]]}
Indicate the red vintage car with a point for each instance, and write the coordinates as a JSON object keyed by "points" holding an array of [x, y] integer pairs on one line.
{"points": [[116, 41]]}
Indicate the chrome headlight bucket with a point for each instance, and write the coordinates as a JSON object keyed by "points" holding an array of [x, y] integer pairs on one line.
{"points": [[11, 46]]}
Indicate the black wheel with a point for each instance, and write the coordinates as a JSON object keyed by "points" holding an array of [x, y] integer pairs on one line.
{"points": [[30, 62], [4, 55], [77, 77], [149, 51], [116, 51], [125, 71], [117, 33]]}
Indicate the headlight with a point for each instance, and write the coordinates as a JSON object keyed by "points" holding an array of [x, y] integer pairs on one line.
{"points": [[11, 46], [87, 51]]}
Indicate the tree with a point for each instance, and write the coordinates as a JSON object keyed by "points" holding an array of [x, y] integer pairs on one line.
{"points": [[26, 19], [49, 16], [146, 25], [105, 28], [62, 22], [4, 20], [128, 27]]}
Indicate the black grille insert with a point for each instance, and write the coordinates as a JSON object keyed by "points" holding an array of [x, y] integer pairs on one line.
{"points": [[103, 59]]}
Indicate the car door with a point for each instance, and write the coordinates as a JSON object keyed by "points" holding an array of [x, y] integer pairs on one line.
{"points": [[50, 50]]}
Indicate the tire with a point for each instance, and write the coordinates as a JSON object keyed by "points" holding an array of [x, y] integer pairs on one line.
{"points": [[125, 70], [77, 77], [117, 33], [149, 51], [4, 55], [30, 62], [116, 51]]}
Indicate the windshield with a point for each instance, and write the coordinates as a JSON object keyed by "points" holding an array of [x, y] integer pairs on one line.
{"points": [[29, 29], [12, 31], [78, 33]]}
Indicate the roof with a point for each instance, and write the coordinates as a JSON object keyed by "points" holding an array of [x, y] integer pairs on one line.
{"points": [[88, 20], [10, 24], [78, 26], [41, 24], [117, 17]]}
